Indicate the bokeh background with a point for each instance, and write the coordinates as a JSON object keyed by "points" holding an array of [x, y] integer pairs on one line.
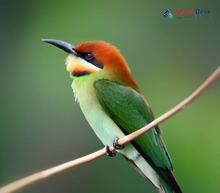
{"points": [[40, 123]]}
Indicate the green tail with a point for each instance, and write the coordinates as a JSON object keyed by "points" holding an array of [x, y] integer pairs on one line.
{"points": [[169, 183]]}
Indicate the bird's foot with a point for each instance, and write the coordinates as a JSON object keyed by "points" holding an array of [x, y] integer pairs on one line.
{"points": [[109, 152], [116, 145]]}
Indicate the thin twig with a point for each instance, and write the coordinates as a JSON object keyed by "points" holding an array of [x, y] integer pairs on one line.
{"points": [[16, 185]]}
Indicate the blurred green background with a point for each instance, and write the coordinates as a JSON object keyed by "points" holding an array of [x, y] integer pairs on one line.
{"points": [[40, 123]]}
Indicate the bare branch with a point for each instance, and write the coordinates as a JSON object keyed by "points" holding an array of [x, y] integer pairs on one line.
{"points": [[16, 185]]}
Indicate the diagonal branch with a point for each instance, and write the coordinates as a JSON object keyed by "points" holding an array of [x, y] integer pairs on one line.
{"points": [[17, 185]]}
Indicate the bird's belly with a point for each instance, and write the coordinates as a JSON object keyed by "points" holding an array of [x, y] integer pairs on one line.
{"points": [[104, 127]]}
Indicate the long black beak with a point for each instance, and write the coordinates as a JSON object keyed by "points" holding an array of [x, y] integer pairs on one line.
{"points": [[62, 45]]}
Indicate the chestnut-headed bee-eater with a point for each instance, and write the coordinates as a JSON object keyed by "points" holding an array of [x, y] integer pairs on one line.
{"points": [[114, 106]]}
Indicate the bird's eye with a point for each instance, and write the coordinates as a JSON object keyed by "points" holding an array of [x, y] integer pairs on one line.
{"points": [[89, 56]]}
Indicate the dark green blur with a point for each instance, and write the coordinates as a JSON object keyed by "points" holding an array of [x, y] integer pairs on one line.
{"points": [[40, 123]]}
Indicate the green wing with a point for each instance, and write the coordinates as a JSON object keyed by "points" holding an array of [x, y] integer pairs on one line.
{"points": [[130, 112]]}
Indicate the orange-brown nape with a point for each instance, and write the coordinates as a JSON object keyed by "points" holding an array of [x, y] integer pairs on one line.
{"points": [[111, 59]]}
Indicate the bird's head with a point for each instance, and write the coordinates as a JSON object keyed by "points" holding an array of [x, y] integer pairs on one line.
{"points": [[93, 57]]}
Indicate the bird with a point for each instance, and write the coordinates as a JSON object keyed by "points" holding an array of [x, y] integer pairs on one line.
{"points": [[114, 106]]}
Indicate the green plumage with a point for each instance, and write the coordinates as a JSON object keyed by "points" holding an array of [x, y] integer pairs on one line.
{"points": [[130, 112]]}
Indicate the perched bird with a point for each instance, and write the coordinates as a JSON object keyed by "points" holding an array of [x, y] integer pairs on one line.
{"points": [[114, 106]]}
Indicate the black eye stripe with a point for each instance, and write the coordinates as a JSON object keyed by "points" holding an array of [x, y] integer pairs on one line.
{"points": [[96, 63], [89, 57]]}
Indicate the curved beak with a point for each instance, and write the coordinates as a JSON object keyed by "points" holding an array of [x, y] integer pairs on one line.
{"points": [[62, 45]]}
